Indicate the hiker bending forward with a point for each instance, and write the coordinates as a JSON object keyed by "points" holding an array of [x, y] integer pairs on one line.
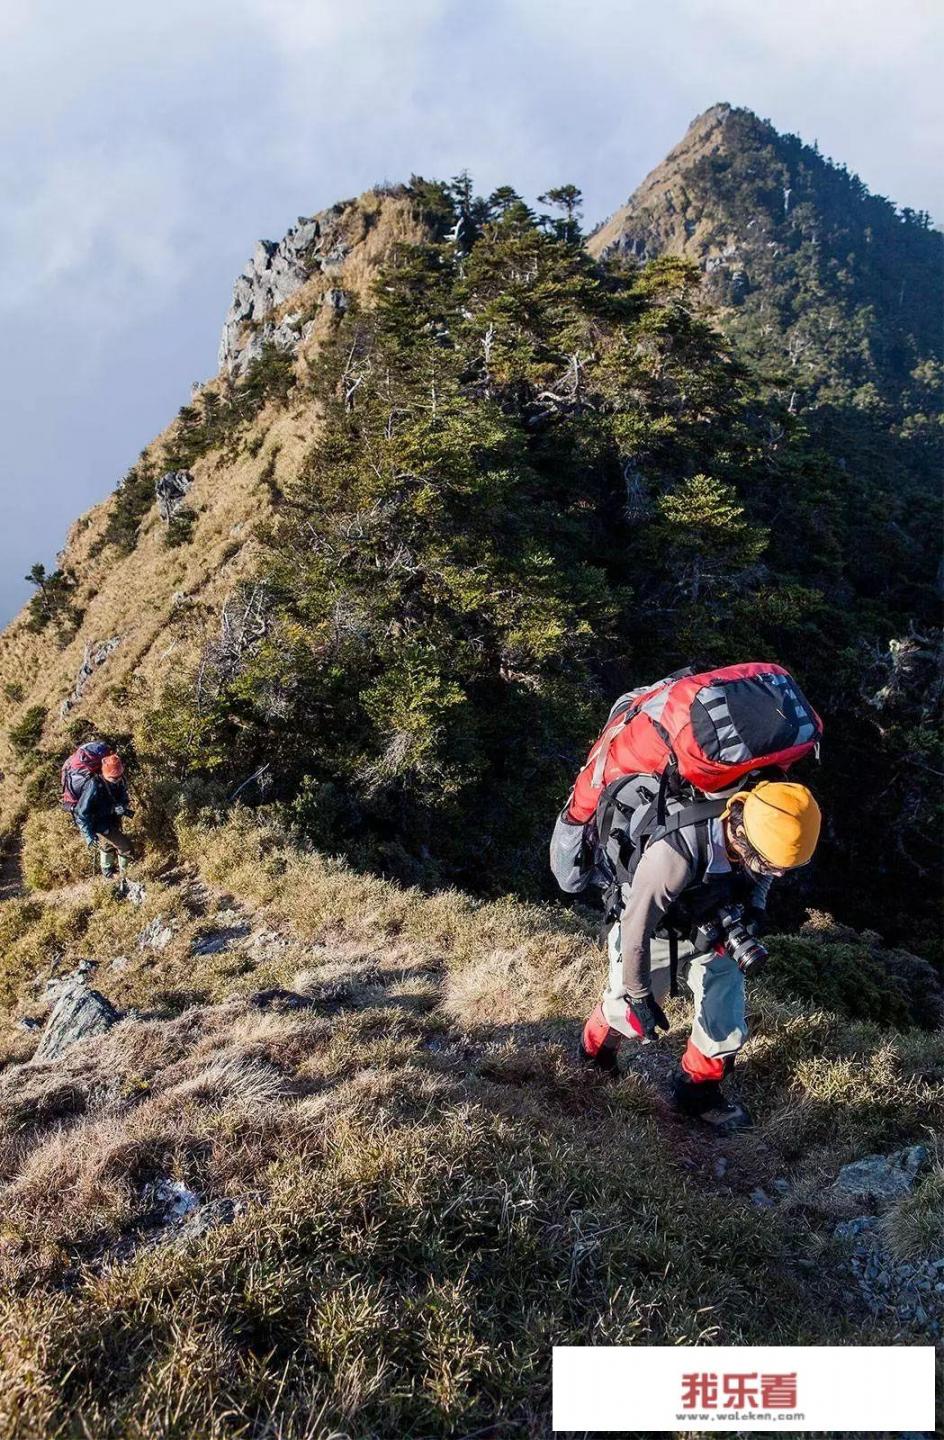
{"points": [[681, 880], [99, 813]]}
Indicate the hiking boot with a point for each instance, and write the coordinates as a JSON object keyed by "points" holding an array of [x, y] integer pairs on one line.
{"points": [[604, 1062], [704, 1101], [599, 1044], [726, 1117]]}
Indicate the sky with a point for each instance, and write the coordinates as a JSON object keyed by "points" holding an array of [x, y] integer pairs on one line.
{"points": [[144, 148]]}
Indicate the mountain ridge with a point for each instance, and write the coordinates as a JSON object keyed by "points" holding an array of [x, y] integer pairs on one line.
{"points": [[148, 598], [352, 620], [806, 273]]}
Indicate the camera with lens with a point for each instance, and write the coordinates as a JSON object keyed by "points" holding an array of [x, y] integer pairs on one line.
{"points": [[727, 928]]}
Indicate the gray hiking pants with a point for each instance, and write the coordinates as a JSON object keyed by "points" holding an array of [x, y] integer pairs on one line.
{"points": [[719, 1022]]}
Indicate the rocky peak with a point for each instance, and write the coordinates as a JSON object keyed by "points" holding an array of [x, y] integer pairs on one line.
{"points": [[276, 271], [817, 278], [659, 217]]}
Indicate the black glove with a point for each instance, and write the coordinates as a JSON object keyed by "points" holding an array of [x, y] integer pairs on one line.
{"points": [[645, 1016], [756, 922]]}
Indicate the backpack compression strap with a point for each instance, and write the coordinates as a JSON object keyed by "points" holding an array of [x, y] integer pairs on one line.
{"points": [[688, 815], [700, 811], [653, 824]]}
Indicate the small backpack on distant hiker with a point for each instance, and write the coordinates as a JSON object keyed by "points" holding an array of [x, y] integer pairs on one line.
{"points": [[82, 763], [671, 754]]}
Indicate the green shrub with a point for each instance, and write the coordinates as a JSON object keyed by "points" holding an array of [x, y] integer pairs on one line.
{"points": [[855, 979], [131, 502], [52, 603], [26, 734], [213, 420], [180, 529]]}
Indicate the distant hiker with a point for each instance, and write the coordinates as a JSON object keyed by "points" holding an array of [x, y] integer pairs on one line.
{"points": [[683, 818], [99, 813]]}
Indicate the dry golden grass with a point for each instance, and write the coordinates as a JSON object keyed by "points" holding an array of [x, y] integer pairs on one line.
{"points": [[424, 1191], [53, 852], [162, 603], [411, 1191]]}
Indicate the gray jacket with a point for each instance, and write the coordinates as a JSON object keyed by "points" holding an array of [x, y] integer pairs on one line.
{"points": [[668, 867]]}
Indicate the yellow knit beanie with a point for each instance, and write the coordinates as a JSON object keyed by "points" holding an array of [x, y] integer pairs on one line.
{"points": [[781, 820]]}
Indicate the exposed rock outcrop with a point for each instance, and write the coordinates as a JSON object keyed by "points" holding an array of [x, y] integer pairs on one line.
{"points": [[79, 1013], [171, 491], [96, 653], [276, 272], [156, 935]]}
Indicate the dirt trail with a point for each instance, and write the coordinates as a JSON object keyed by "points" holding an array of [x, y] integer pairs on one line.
{"points": [[344, 977]]}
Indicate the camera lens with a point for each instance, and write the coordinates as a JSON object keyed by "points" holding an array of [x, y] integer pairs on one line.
{"points": [[745, 949]]}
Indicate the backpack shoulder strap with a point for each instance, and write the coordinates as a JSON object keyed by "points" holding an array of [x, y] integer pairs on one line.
{"points": [[609, 805], [615, 724], [689, 815], [652, 827]]}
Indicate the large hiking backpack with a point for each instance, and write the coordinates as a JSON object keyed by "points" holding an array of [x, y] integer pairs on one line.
{"points": [[81, 764], [671, 754]]}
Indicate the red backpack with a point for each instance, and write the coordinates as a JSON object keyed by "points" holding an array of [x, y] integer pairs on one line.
{"points": [[711, 729], [82, 763], [695, 733]]}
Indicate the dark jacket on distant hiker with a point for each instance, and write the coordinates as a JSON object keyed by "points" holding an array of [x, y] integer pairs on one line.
{"points": [[99, 810]]}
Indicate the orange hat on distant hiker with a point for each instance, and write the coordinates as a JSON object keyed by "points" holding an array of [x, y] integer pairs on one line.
{"points": [[112, 768]]}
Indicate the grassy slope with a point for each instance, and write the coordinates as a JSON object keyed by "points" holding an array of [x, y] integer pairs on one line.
{"points": [[428, 1193], [163, 602]]}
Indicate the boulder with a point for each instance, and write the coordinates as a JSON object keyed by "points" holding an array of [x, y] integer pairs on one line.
{"points": [[881, 1178], [96, 653], [156, 935], [174, 1200], [79, 1013], [200, 1220]]}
